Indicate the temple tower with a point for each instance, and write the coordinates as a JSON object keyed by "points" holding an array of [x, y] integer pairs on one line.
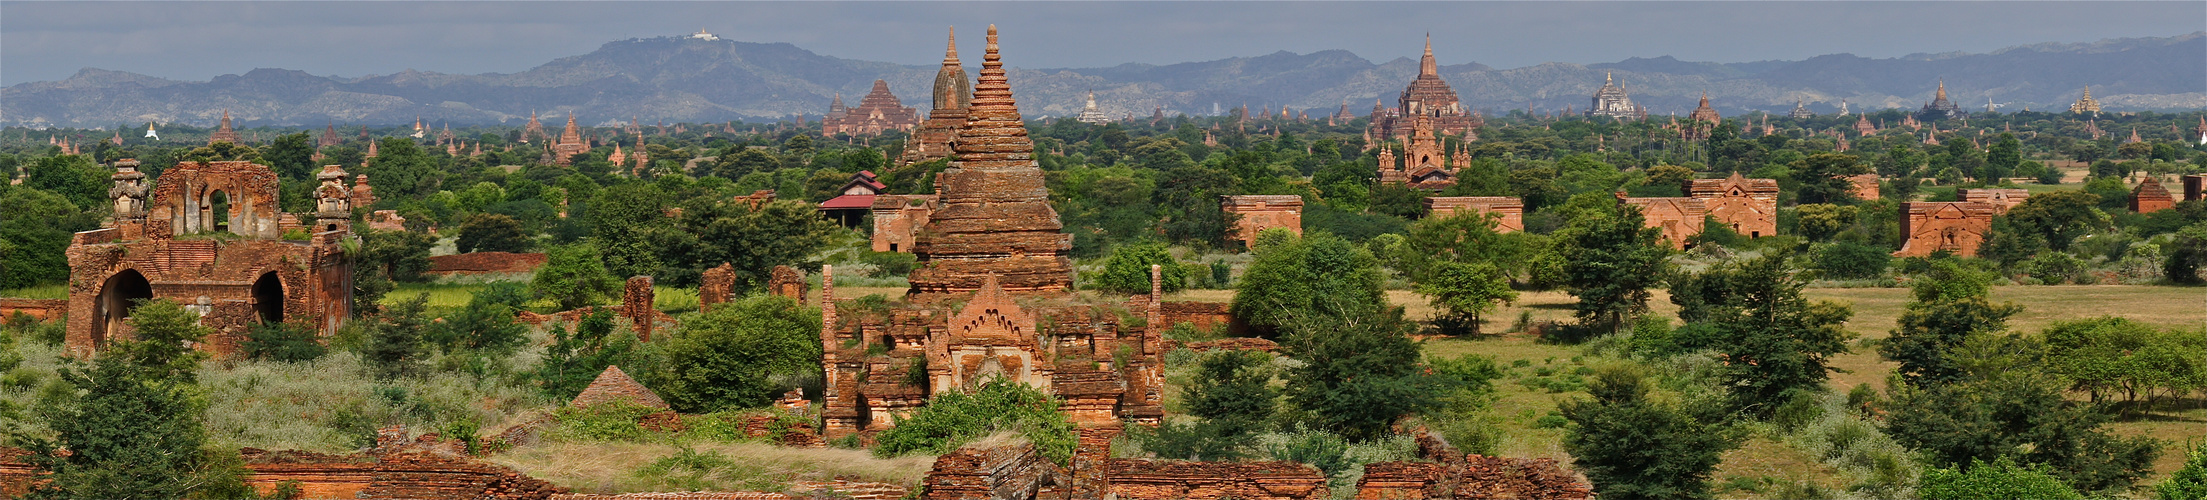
{"points": [[953, 93]]}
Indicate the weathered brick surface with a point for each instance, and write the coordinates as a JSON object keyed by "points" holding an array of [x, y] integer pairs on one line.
{"points": [[716, 286], [242, 281], [42, 309], [996, 218], [897, 217], [1748, 206], [486, 262], [1952, 226], [615, 385], [2195, 187], [2150, 197], [1132, 478], [636, 306], [787, 282], [1000, 472], [1680, 218], [1473, 477], [1999, 199], [1258, 213], [878, 112], [1227, 344], [1511, 209], [953, 94], [1865, 186]]}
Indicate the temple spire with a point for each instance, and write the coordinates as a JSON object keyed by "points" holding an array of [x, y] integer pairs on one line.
{"points": [[1942, 91], [1426, 66], [950, 54]]}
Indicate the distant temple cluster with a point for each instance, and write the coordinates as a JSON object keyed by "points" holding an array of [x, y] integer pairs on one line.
{"points": [[879, 112], [1426, 114]]}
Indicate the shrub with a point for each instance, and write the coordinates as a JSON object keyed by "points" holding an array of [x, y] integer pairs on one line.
{"points": [[997, 405], [1847, 260], [2188, 483], [573, 276], [1631, 446], [287, 342], [741, 354], [2000, 479], [890, 263], [1127, 270], [608, 421], [492, 233]]}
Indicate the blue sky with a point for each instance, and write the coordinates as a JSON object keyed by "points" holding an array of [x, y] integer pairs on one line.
{"points": [[198, 40]]}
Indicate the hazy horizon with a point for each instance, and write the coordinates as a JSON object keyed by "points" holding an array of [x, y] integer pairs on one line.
{"points": [[45, 41]]}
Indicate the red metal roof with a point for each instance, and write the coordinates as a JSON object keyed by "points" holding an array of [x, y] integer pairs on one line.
{"points": [[849, 202]]}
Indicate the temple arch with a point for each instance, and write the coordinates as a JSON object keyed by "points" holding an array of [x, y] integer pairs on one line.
{"points": [[268, 297], [119, 295]]}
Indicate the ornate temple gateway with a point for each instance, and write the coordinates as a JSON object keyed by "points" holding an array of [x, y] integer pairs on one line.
{"points": [[992, 297]]}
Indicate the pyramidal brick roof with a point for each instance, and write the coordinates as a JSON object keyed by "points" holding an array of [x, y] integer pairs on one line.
{"points": [[615, 385]]}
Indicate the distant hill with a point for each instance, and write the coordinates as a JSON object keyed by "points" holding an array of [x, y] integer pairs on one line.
{"points": [[681, 79]]}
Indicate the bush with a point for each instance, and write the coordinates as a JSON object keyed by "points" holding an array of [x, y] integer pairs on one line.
{"points": [[1852, 261], [608, 421], [2000, 479], [285, 342], [1316, 277], [2188, 483], [955, 418], [1127, 270], [889, 263], [573, 276], [492, 233], [741, 355], [1631, 446]]}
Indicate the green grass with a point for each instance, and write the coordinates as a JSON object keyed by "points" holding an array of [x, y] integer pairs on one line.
{"points": [[50, 292]]}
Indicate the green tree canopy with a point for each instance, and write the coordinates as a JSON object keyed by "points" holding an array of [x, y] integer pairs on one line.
{"points": [[741, 355]]}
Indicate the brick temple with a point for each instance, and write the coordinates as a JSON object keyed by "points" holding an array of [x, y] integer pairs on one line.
{"points": [[211, 238], [953, 93], [1680, 217], [992, 297], [878, 112], [1748, 206], [1426, 114], [1259, 212], [1509, 211], [1956, 227]]}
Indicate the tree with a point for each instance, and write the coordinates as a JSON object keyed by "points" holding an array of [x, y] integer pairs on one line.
{"points": [[1774, 343], [741, 355], [286, 342], [1127, 271], [2188, 483], [486, 324], [291, 156], [1233, 387], [394, 346], [1824, 177], [35, 228], [2001, 479], [493, 233], [2002, 158], [1360, 371], [1610, 260], [2004, 404], [1632, 446], [403, 171], [1464, 291], [955, 418], [1950, 307], [133, 421], [2058, 217], [2187, 253], [1306, 278], [623, 218], [224, 151], [1821, 221], [713, 230], [73, 177], [574, 360], [573, 276]]}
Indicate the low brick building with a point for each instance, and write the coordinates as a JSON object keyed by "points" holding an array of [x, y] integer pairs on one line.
{"points": [[1865, 186], [1748, 206], [1510, 209], [1999, 199], [2150, 197], [896, 216], [1957, 227], [1680, 218], [1259, 212], [211, 238]]}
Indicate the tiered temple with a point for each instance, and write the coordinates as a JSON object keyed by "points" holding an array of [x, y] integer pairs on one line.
{"points": [[1427, 107], [223, 133], [953, 94], [1701, 121], [992, 297], [878, 112], [2086, 104], [1940, 108], [1611, 101]]}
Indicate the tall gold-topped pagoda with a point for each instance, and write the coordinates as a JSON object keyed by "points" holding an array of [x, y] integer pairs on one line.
{"points": [[995, 217]]}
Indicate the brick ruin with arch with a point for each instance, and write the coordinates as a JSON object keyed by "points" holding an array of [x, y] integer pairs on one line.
{"points": [[211, 238]]}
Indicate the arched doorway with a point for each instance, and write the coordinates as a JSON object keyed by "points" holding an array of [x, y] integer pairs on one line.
{"points": [[118, 295], [218, 211], [268, 298]]}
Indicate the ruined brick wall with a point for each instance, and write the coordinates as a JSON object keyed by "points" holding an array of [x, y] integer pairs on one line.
{"points": [[186, 194], [1748, 206], [1474, 476], [1865, 186], [786, 282], [895, 219], [2150, 197], [1131, 478], [486, 262], [1999, 199], [992, 472], [42, 309], [1953, 226], [1261, 212], [306, 283], [716, 286], [636, 306], [1203, 315], [1679, 218], [1227, 344], [1510, 208], [2194, 185]]}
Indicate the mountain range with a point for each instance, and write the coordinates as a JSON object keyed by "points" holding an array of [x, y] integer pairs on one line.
{"points": [[694, 80]]}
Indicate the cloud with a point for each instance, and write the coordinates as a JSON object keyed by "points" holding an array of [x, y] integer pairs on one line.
{"points": [[199, 40]]}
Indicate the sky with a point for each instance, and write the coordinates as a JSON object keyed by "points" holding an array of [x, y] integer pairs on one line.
{"points": [[195, 40]]}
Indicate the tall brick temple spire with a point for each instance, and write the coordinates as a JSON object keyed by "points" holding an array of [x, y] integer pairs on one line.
{"points": [[996, 217], [953, 93]]}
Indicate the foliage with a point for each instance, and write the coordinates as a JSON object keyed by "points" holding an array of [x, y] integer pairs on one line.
{"points": [[712, 231], [2188, 483], [402, 170], [608, 421], [492, 233], [1774, 343], [739, 355], [132, 421], [286, 342], [573, 276], [486, 324], [395, 346], [890, 263], [1127, 270], [2059, 217], [1464, 291], [1610, 260], [35, 227], [395, 255], [1359, 372], [573, 360], [1824, 177], [1845, 260], [1632, 446], [1233, 391], [2111, 354], [955, 418], [2187, 253], [1316, 277], [1950, 308], [2001, 479], [73, 177], [2004, 405]]}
